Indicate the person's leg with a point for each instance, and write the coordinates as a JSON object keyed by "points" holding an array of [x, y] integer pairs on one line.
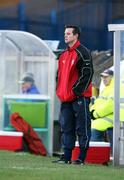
{"points": [[83, 125], [68, 129], [97, 135], [110, 136]]}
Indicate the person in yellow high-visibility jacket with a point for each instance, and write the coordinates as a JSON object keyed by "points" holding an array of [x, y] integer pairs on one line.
{"points": [[102, 110]]}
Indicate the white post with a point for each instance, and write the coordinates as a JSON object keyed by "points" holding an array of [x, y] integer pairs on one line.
{"points": [[116, 134], [117, 28]]}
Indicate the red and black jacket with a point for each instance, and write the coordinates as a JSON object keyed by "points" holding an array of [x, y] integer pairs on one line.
{"points": [[75, 71]]}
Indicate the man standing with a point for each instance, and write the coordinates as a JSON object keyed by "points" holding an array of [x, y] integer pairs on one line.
{"points": [[75, 72]]}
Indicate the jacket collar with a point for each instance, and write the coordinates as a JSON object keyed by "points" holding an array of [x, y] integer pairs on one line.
{"points": [[74, 46]]}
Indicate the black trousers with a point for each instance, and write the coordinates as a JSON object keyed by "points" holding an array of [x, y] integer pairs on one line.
{"points": [[75, 122]]}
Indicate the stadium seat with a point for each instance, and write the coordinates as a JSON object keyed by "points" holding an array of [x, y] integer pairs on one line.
{"points": [[33, 112]]}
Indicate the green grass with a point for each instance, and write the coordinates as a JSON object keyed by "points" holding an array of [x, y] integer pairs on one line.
{"points": [[24, 166]]}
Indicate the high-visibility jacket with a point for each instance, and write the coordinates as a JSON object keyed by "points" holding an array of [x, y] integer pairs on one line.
{"points": [[104, 107], [122, 103]]}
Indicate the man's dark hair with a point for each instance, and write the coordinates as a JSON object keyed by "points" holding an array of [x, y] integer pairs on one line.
{"points": [[76, 29]]}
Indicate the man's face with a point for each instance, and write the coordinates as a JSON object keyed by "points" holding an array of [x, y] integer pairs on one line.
{"points": [[106, 80], [26, 86], [70, 38]]}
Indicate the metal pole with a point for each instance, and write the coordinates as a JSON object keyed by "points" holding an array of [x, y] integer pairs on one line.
{"points": [[116, 132], [2, 70], [22, 15]]}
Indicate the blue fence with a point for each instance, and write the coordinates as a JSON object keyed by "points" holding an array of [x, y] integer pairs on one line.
{"points": [[93, 18]]}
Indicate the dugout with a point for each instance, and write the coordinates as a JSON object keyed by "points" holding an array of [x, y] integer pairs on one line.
{"points": [[24, 52]]}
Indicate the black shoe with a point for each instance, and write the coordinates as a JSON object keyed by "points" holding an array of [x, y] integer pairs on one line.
{"points": [[62, 160], [78, 162]]}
